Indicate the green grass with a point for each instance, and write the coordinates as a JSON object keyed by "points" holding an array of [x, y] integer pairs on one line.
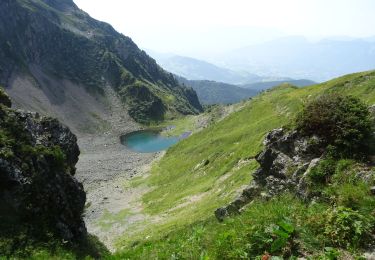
{"points": [[209, 169], [206, 170], [134, 182], [108, 219], [180, 125], [251, 234], [182, 176], [24, 246], [238, 237]]}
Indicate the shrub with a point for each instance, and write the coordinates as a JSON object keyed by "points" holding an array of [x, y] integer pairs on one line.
{"points": [[344, 122], [344, 165], [276, 239], [347, 228], [321, 174], [330, 253], [283, 238]]}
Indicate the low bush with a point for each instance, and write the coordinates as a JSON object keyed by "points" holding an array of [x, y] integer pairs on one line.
{"points": [[348, 228], [322, 173], [344, 122]]}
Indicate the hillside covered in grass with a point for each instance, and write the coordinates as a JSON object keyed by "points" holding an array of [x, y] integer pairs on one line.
{"points": [[210, 168]]}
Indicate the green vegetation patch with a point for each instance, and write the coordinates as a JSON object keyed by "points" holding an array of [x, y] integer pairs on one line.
{"points": [[344, 123], [109, 219], [197, 165], [284, 227]]}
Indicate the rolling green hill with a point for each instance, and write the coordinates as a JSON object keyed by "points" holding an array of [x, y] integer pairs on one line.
{"points": [[208, 169], [212, 92], [268, 84]]}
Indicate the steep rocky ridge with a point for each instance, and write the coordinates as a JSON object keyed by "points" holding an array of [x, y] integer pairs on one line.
{"points": [[38, 192], [54, 47]]}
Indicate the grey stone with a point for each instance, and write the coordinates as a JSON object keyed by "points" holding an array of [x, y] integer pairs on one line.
{"points": [[33, 185], [221, 213], [284, 164], [273, 136]]}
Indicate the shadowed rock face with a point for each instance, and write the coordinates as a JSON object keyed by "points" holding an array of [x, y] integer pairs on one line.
{"points": [[61, 5], [37, 164]]}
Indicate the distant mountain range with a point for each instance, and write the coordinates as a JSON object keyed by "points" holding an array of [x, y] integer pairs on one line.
{"points": [[195, 69], [277, 60], [212, 92], [296, 57], [217, 85]]}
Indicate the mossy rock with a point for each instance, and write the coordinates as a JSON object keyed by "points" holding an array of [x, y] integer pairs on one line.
{"points": [[4, 98]]}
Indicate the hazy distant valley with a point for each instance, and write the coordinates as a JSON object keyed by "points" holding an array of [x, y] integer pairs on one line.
{"points": [[292, 57], [217, 85]]}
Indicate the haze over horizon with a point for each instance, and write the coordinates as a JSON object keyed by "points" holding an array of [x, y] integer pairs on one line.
{"points": [[200, 29]]}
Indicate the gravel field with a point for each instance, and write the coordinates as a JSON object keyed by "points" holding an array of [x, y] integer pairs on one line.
{"points": [[104, 166]]}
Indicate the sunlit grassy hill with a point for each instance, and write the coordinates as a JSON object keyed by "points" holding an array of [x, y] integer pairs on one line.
{"points": [[208, 169]]}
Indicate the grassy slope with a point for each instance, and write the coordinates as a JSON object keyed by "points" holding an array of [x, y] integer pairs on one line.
{"points": [[190, 231], [185, 191], [209, 239]]}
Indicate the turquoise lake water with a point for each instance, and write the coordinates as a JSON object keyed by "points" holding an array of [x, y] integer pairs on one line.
{"points": [[148, 141]]}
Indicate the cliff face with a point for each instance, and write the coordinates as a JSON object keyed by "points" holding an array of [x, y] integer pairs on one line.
{"points": [[49, 38], [37, 164]]}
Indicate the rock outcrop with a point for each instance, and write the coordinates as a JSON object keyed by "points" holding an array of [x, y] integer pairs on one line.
{"points": [[284, 163], [37, 164]]}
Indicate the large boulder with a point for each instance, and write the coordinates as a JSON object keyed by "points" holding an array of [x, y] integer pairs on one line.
{"points": [[283, 164], [37, 163]]}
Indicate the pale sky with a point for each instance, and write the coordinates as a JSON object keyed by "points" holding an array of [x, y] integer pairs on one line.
{"points": [[194, 27]]}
